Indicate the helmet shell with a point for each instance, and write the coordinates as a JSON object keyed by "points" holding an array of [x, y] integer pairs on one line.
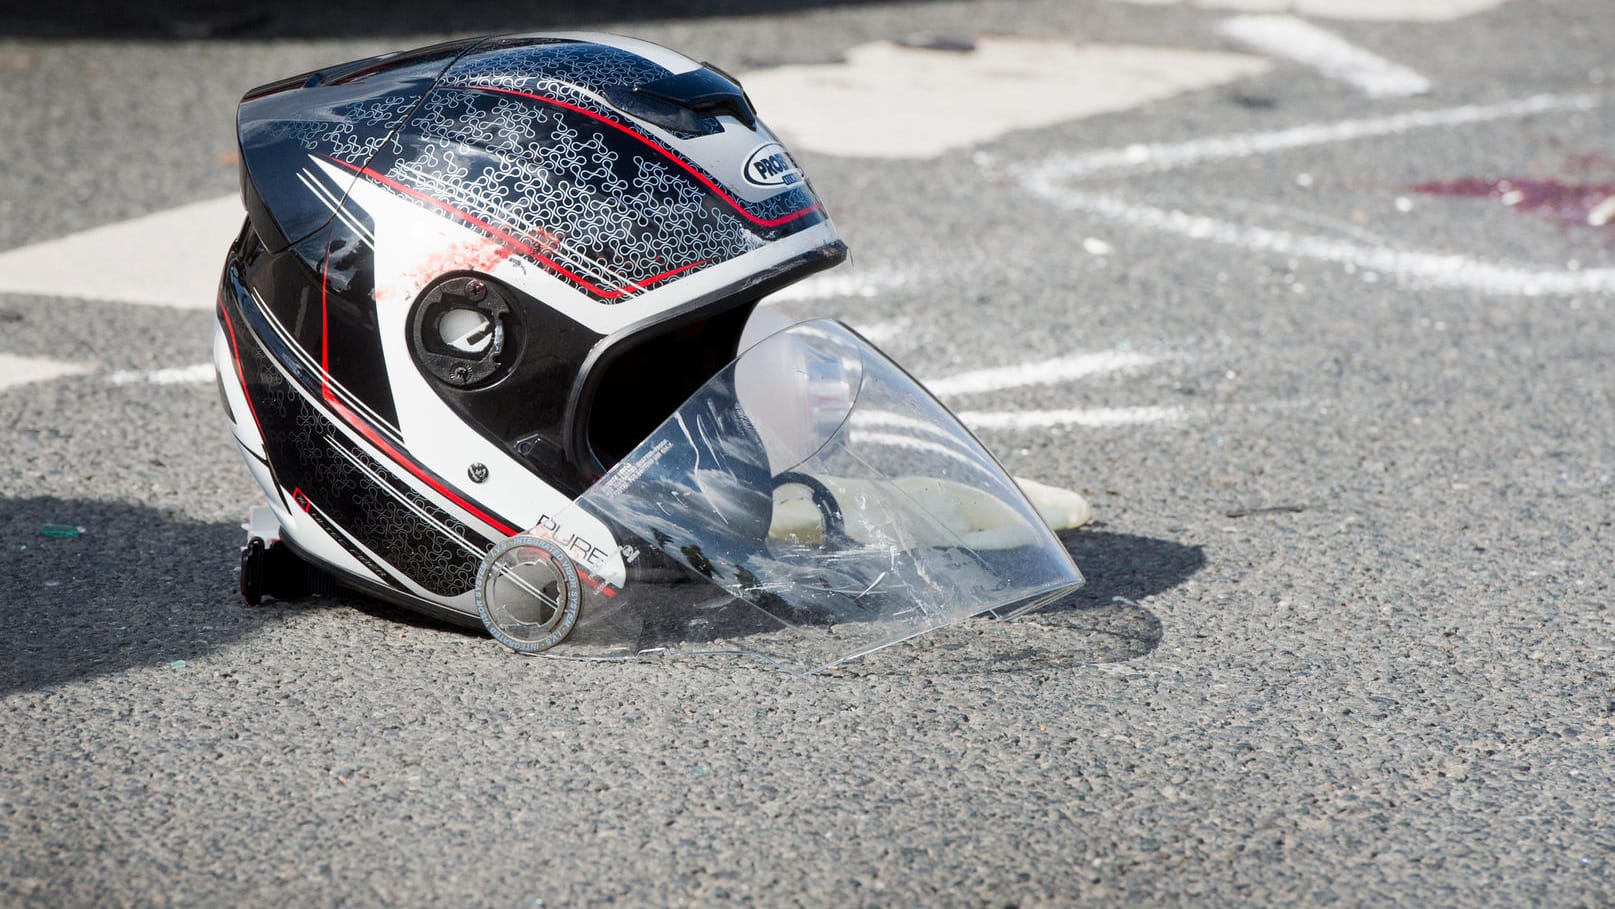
{"points": [[475, 274]]}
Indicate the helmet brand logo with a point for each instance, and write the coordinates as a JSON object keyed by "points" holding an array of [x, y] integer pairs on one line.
{"points": [[576, 546], [771, 165]]}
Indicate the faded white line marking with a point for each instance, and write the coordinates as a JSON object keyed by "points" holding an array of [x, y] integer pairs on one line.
{"points": [[1093, 418], [1372, 10], [16, 370], [176, 375], [883, 333], [169, 258], [1418, 268], [1289, 38], [890, 101], [1167, 155], [1046, 372], [1294, 214], [839, 285]]}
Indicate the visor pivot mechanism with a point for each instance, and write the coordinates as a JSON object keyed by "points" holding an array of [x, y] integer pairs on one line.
{"points": [[528, 593]]}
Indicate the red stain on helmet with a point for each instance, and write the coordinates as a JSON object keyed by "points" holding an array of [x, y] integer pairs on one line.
{"points": [[478, 255]]}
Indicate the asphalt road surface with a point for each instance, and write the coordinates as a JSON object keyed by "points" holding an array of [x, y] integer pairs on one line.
{"points": [[1316, 310]]}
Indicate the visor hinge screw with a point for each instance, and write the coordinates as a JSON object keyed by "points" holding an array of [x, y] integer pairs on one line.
{"points": [[475, 290], [477, 472]]}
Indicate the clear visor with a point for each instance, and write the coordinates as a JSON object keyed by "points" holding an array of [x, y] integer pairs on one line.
{"points": [[810, 503]]}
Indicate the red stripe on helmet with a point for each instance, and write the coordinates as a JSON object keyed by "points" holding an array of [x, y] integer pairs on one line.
{"points": [[375, 438], [363, 427], [241, 376]]}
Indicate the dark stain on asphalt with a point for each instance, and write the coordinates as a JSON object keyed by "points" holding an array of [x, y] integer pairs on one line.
{"points": [[1569, 204]]}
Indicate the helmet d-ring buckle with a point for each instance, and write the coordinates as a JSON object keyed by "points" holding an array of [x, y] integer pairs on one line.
{"points": [[528, 594]]}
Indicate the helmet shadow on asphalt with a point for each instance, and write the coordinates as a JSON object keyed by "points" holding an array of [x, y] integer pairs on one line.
{"points": [[139, 587], [1100, 623]]}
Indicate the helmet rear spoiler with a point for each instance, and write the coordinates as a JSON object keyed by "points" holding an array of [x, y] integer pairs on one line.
{"points": [[365, 101]]}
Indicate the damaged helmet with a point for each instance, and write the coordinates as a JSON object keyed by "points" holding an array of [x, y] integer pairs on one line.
{"points": [[491, 342]]}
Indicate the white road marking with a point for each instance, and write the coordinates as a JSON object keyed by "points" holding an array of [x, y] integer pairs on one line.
{"points": [[175, 375], [890, 101], [1046, 372], [21, 370], [16, 370], [1428, 269], [1092, 418], [1168, 155], [169, 258], [1601, 213], [882, 333], [1297, 40], [1370, 10], [839, 284]]}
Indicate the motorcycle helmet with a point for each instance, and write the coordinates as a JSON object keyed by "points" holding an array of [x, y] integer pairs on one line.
{"points": [[489, 340]]}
